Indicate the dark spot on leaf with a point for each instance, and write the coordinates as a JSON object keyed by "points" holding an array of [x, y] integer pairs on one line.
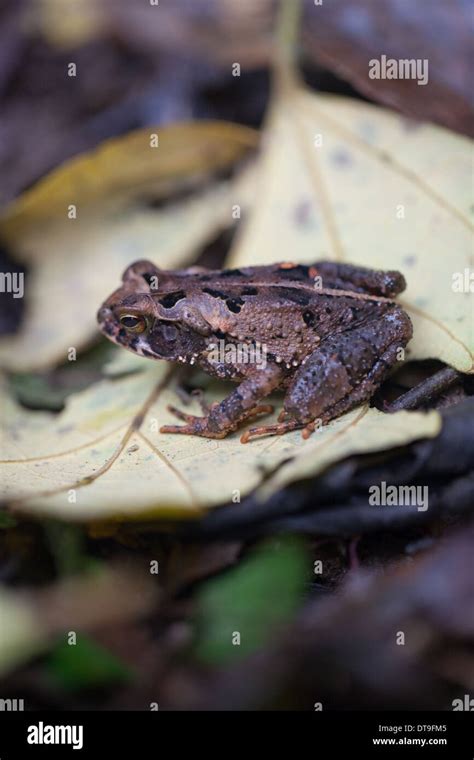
{"points": [[410, 125], [341, 158], [303, 212], [409, 261]]}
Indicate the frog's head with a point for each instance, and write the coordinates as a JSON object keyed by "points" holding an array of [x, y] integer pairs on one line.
{"points": [[151, 316]]}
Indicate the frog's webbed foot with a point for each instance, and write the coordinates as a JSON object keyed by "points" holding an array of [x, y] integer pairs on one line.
{"points": [[201, 425], [194, 425], [242, 404]]}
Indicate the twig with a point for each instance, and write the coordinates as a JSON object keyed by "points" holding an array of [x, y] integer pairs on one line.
{"points": [[425, 391]]}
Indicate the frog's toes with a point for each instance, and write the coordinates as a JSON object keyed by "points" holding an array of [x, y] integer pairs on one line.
{"points": [[180, 414], [267, 430], [183, 429], [261, 409], [308, 430], [198, 394], [194, 426]]}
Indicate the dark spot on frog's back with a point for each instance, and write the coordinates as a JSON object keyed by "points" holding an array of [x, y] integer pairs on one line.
{"points": [[171, 299], [298, 272], [232, 273], [294, 295], [215, 293], [309, 318], [234, 304], [248, 291]]}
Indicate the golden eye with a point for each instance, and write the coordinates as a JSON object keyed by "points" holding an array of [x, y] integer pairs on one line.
{"points": [[132, 323]]}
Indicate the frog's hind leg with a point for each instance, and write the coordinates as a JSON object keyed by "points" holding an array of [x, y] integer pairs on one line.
{"points": [[378, 282], [347, 368], [343, 372]]}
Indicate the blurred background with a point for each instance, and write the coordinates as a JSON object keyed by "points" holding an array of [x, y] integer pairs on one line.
{"points": [[142, 65]]}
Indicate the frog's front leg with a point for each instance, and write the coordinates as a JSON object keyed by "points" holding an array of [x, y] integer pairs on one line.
{"points": [[225, 417], [344, 371]]}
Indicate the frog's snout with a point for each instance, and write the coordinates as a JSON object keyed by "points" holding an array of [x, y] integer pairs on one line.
{"points": [[103, 313]]}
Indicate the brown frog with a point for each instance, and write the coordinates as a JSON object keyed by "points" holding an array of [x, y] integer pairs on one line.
{"points": [[327, 334]]}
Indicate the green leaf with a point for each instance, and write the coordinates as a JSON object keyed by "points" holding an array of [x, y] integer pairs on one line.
{"points": [[250, 603], [7, 521], [85, 665]]}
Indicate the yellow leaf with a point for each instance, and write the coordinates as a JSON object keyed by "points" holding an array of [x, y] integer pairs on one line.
{"points": [[74, 263], [359, 432], [103, 457], [344, 180]]}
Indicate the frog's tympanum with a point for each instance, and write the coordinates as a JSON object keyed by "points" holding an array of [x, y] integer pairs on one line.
{"points": [[325, 334]]}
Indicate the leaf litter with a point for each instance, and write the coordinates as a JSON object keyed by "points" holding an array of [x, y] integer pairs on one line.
{"points": [[328, 218]]}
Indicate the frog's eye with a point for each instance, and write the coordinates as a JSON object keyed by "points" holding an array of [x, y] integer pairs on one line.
{"points": [[132, 323]]}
